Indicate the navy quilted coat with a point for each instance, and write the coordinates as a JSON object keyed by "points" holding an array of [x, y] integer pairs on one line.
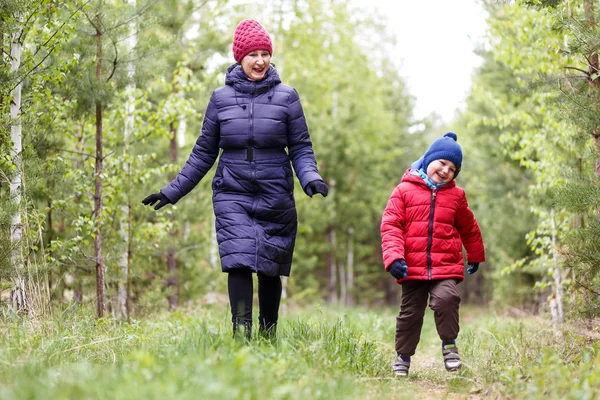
{"points": [[253, 187]]}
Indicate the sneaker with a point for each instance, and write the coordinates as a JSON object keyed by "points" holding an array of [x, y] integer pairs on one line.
{"points": [[452, 360], [400, 367]]}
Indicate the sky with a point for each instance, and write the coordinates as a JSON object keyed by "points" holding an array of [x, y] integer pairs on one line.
{"points": [[435, 43]]}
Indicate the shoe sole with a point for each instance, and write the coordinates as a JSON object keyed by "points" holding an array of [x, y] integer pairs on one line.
{"points": [[453, 368]]}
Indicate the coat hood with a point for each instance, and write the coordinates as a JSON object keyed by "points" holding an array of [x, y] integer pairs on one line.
{"points": [[235, 78]]}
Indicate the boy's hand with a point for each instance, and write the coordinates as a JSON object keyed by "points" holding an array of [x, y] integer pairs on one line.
{"points": [[473, 267], [398, 269]]}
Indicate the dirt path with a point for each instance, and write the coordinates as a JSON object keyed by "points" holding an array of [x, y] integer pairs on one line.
{"points": [[428, 379]]}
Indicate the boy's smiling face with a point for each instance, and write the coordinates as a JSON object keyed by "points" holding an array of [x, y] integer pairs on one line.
{"points": [[441, 171]]}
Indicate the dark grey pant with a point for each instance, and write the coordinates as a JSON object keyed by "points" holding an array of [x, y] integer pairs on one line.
{"points": [[443, 299]]}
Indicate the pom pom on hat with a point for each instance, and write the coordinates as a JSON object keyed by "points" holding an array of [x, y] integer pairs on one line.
{"points": [[249, 36], [452, 135], [444, 148]]}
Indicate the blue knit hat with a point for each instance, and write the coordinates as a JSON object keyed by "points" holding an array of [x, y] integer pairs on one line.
{"points": [[444, 148]]}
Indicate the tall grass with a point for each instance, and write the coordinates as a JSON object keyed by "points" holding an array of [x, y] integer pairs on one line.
{"points": [[523, 358], [187, 356], [320, 353]]}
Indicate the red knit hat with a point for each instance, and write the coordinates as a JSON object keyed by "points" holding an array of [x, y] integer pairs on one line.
{"points": [[249, 35]]}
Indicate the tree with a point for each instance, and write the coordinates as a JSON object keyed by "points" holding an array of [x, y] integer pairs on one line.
{"points": [[543, 118], [23, 70], [16, 183]]}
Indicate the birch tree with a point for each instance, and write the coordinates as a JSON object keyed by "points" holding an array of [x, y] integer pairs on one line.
{"points": [[19, 295], [123, 306], [96, 22]]}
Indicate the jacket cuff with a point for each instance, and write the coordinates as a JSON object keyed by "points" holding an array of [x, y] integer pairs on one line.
{"points": [[170, 194], [308, 178]]}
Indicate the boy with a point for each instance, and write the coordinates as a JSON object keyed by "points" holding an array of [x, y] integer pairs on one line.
{"points": [[425, 224]]}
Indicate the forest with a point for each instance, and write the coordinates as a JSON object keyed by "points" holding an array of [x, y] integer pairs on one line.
{"points": [[101, 102]]}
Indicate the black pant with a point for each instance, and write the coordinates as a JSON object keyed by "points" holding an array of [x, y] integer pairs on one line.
{"points": [[240, 287]]}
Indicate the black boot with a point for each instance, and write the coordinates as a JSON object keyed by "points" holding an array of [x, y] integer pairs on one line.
{"points": [[267, 329], [242, 329]]}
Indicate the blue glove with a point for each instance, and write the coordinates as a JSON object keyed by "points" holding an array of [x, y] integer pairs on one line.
{"points": [[316, 186], [398, 269], [154, 197], [473, 267]]}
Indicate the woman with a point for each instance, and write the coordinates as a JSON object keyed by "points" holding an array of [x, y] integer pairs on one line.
{"points": [[253, 119]]}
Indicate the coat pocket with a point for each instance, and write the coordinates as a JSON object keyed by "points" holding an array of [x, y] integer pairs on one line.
{"points": [[289, 177], [218, 178]]}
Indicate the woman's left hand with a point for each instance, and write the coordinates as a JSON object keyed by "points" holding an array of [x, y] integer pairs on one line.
{"points": [[317, 186]]}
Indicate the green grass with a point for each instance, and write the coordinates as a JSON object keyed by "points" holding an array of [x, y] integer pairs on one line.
{"points": [[321, 353]]}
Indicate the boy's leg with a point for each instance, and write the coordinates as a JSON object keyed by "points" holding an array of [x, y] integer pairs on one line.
{"points": [[410, 318], [269, 298], [444, 302], [240, 288]]}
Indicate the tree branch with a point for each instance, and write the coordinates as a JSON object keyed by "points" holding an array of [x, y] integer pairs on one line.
{"points": [[22, 34], [22, 77], [60, 27], [114, 61], [80, 153], [134, 16], [578, 69], [587, 287]]}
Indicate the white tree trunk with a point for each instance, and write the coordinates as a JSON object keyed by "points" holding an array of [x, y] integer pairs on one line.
{"points": [[350, 268], [124, 229], [555, 319], [16, 182], [332, 296], [558, 289], [342, 274], [182, 124], [283, 308], [125, 222]]}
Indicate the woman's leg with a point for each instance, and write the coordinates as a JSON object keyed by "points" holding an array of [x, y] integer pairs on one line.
{"points": [[240, 288], [269, 298]]}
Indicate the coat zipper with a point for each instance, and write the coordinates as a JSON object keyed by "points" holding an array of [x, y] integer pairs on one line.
{"points": [[251, 141], [430, 234], [253, 168]]}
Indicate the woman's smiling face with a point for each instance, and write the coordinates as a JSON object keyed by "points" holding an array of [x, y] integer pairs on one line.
{"points": [[255, 64]]}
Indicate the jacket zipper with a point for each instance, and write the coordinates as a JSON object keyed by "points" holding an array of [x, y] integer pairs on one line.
{"points": [[430, 234]]}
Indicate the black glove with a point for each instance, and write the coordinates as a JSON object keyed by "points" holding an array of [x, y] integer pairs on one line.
{"points": [[317, 186], [398, 269], [473, 267], [154, 197]]}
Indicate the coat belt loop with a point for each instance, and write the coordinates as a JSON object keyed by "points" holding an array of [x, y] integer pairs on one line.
{"points": [[250, 154]]}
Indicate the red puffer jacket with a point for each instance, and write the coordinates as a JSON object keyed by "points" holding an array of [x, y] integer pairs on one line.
{"points": [[428, 229]]}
